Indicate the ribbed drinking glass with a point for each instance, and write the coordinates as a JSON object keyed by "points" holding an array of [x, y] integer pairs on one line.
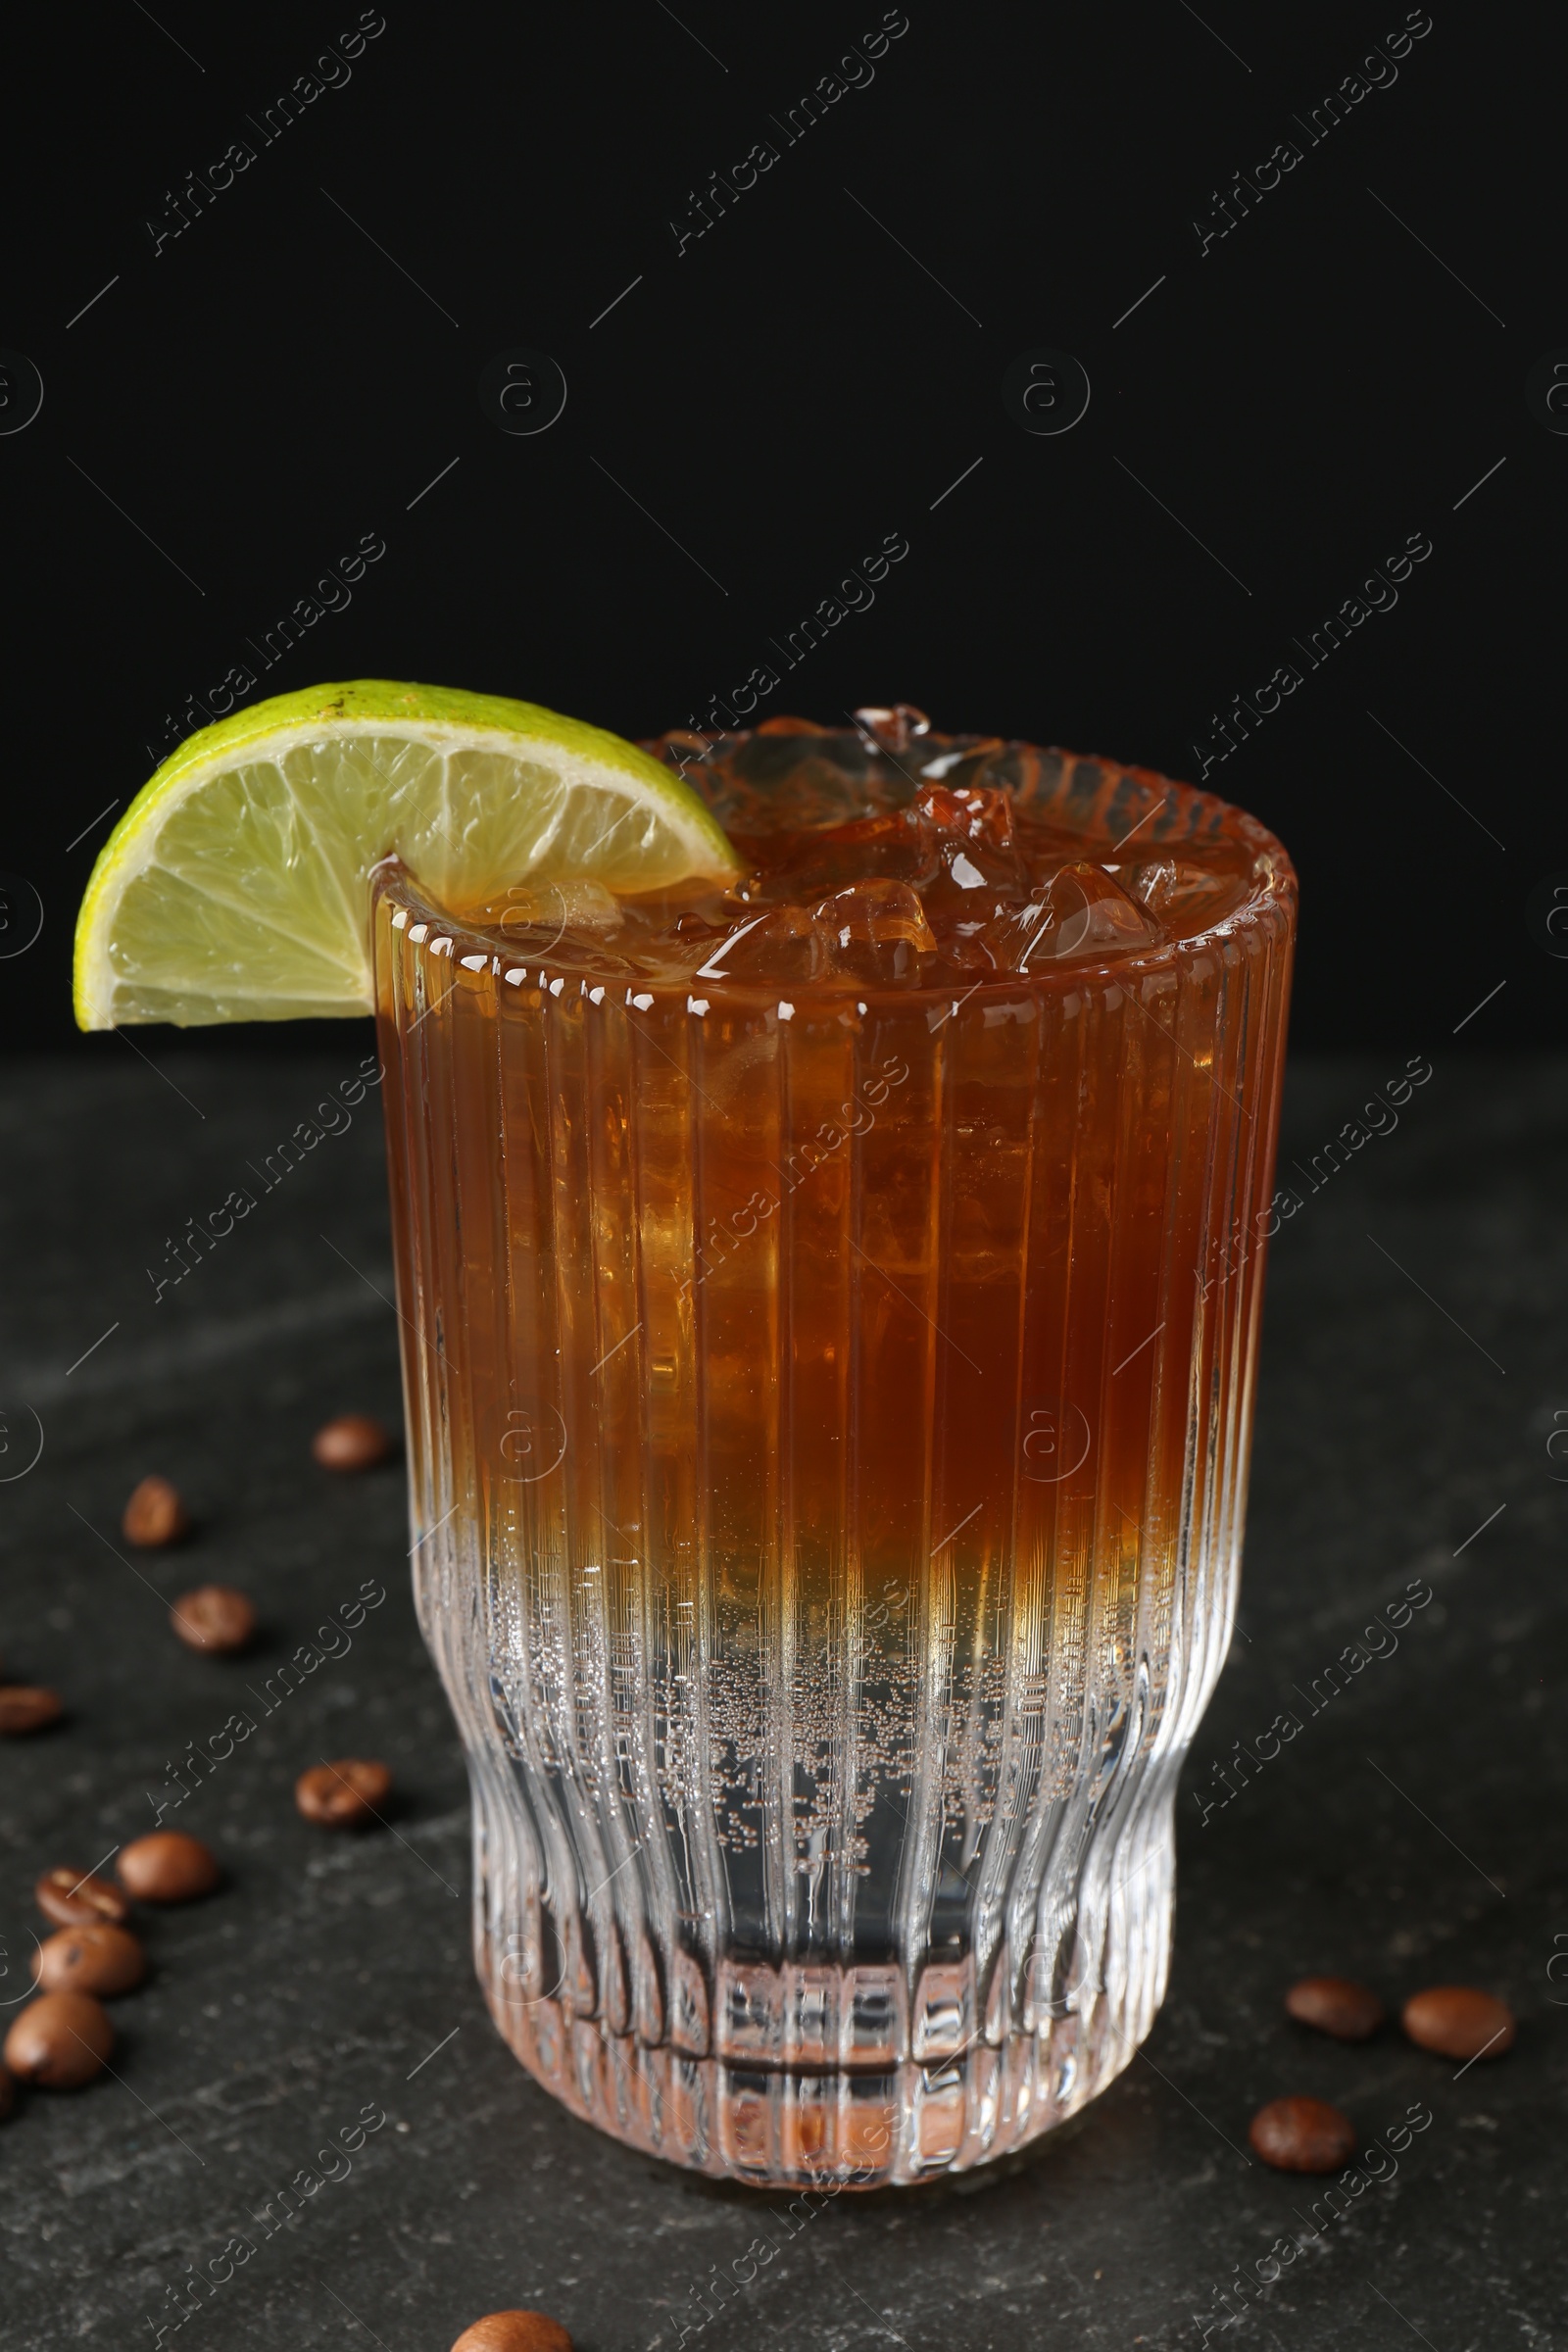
{"points": [[829, 1405]]}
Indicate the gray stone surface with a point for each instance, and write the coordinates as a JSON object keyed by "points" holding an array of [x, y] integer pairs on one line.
{"points": [[1410, 1833]]}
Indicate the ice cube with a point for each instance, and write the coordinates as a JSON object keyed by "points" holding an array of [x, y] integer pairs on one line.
{"points": [[971, 813], [779, 785], [878, 913], [895, 846], [790, 776], [978, 874], [878, 930], [779, 943], [1185, 897], [963, 955], [1081, 911]]}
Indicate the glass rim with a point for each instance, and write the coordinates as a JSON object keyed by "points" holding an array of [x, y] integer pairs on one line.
{"points": [[1188, 814]]}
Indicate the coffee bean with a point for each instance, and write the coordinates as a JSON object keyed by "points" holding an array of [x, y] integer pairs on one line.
{"points": [[343, 1796], [1335, 2005], [74, 1900], [7, 2091], [215, 1618], [100, 1959], [1303, 2135], [513, 2331], [1458, 2022], [154, 1515], [25, 1709], [167, 1867], [60, 2040], [353, 1441]]}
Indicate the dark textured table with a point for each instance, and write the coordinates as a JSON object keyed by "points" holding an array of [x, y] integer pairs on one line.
{"points": [[1411, 1832]]}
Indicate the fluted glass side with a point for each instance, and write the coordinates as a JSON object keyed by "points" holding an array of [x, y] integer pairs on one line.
{"points": [[828, 1426]]}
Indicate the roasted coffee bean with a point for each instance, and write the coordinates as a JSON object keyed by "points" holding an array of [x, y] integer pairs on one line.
{"points": [[513, 2331], [343, 1796], [1458, 2022], [1335, 2005], [100, 1959], [167, 1867], [1303, 2135], [73, 1900], [353, 1441], [154, 1515], [23, 1707], [60, 2040], [7, 2091], [214, 1617]]}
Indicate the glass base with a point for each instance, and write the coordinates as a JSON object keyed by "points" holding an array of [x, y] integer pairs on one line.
{"points": [[787, 2130], [808, 2076]]}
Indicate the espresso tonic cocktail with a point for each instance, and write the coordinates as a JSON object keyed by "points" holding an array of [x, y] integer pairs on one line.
{"points": [[830, 1293], [830, 1174]]}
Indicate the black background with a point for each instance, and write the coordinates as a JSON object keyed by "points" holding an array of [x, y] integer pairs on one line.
{"points": [[1304, 396]]}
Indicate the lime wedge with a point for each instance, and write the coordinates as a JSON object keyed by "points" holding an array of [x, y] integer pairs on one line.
{"points": [[233, 888]]}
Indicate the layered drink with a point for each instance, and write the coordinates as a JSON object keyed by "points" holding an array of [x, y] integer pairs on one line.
{"points": [[830, 1302]]}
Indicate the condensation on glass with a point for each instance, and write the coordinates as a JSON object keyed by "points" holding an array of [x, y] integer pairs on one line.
{"points": [[829, 1411]]}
